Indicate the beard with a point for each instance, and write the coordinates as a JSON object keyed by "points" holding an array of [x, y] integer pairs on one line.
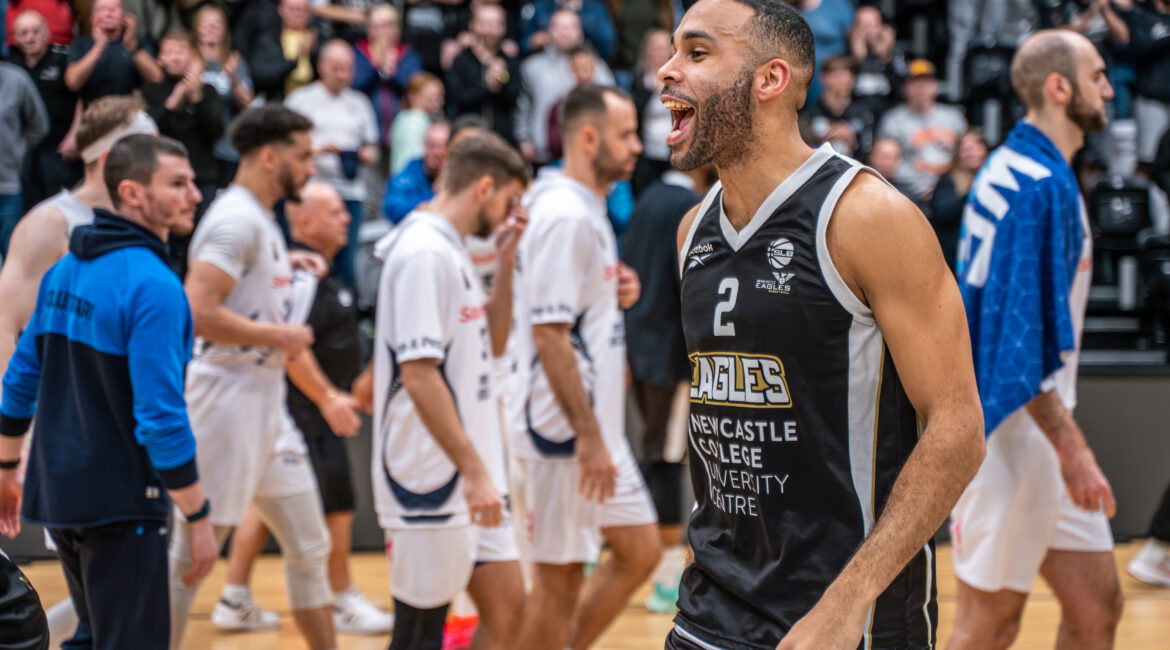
{"points": [[724, 127], [483, 226], [609, 167], [1085, 118], [288, 189]]}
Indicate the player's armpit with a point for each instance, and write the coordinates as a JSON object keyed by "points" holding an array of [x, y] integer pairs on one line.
{"points": [[887, 253]]}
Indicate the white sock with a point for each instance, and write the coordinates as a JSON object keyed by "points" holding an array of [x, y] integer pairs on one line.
{"points": [[670, 566], [237, 593]]}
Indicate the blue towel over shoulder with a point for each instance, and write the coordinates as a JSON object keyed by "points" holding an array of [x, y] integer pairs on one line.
{"points": [[1020, 246]]}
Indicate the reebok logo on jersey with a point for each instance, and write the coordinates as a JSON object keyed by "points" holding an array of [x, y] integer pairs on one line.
{"points": [[734, 379], [699, 254], [779, 253]]}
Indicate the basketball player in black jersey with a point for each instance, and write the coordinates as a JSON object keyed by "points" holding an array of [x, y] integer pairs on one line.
{"points": [[834, 413]]}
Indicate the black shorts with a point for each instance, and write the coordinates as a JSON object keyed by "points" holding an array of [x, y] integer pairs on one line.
{"points": [[330, 460]]}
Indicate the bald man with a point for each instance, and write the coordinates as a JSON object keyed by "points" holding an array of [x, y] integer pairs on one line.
{"points": [[345, 136], [319, 223], [1040, 503]]}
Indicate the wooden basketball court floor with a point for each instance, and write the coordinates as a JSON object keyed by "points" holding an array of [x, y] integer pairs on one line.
{"points": [[1145, 624]]}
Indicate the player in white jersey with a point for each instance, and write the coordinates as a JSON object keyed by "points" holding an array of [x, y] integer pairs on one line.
{"points": [[567, 417], [438, 456], [240, 287], [1040, 503], [41, 238]]}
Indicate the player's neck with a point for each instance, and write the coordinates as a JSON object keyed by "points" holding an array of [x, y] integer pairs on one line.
{"points": [[1067, 137], [749, 180], [459, 209], [92, 192], [261, 185], [582, 171]]}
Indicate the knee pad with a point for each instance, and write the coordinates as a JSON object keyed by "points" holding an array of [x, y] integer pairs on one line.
{"points": [[663, 479], [418, 629]]}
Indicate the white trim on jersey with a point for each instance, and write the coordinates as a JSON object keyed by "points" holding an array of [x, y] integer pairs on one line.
{"points": [[833, 281], [703, 207], [682, 631], [778, 196], [929, 584]]}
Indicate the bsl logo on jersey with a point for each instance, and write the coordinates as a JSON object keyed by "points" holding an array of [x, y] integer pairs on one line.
{"points": [[780, 253], [734, 379]]}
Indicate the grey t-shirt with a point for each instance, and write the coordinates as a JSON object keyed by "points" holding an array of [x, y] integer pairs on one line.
{"points": [[928, 143]]}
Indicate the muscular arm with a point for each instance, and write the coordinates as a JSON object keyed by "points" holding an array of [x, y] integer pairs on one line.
{"points": [[38, 241], [79, 72], [1083, 477], [499, 309], [889, 257], [207, 287]]}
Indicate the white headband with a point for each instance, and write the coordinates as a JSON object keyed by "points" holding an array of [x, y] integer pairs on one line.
{"points": [[140, 123]]}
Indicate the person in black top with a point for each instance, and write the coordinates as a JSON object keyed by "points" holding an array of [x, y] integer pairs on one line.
{"points": [[483, 79], [834, 417], [189, 111], [111, 60], [53, 164], [836, 117], [657, 355], [950, 195]]}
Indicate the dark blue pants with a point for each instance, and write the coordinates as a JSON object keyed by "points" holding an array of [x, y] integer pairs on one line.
{"points": [[11, 210], [44, 173], [117, 577]]}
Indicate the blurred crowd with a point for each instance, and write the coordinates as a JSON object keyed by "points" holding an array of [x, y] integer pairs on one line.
{"points": [[383, 83]]}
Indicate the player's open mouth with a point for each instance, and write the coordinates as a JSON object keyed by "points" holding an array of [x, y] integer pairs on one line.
{"points": [[682, 114]]}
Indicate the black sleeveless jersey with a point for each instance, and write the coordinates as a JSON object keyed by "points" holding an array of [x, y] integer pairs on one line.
{"points": [[799, 424]]}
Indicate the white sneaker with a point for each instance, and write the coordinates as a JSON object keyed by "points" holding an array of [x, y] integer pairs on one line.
{"points": [[243, 616], [353, 614], [1152, 564]]}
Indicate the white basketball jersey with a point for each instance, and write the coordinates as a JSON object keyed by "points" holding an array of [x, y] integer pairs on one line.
{"points": [[567, 272], [241, 238], [75, 212], [430, 306]]}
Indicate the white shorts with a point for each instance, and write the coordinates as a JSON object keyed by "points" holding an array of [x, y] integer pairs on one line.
{"points": [[430, 566], [563, 526], [289, 471], [1016, 509], [236, 418]]}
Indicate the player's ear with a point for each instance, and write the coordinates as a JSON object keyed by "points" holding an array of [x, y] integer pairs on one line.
{"points": [[774, 77], [131, 193], [1058, 88], [484, 187]]}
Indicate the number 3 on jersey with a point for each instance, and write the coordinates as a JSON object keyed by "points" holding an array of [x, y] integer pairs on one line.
{"points": [[730, 288]]}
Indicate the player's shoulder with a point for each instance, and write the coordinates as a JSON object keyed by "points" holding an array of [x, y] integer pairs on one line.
{"points": [[871, 210]]}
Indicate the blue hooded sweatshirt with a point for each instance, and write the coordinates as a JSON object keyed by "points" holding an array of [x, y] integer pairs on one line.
{"points": [[101, 366]]}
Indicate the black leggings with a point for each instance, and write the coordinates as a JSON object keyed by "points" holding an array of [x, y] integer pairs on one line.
{"points": [[418, 629], [1160, 526]]}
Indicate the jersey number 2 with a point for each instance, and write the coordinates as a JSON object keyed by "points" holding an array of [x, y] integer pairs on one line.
{"points": [[730, 288]]}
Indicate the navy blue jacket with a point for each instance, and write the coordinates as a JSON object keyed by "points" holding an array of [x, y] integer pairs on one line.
{"points": [[101, 366]]}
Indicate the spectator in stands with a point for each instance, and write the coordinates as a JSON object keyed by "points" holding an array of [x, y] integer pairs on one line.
{"points": [[583, 66], [1002, 24], [830, 21], [345, 136], [382, 68], [594, 16], [57, 14], [344, 19], [654, 121], [880, 66], [188, 110], [431, 27], [416, 182], [950, 195], [836, 117], [1149, 30], [53, 163], [25, 123], [886, 159], [545, 78], [298, 41], [110, 60], [256, 29], [424, 104], [227, 72], [926, 130], [484, 80]]}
